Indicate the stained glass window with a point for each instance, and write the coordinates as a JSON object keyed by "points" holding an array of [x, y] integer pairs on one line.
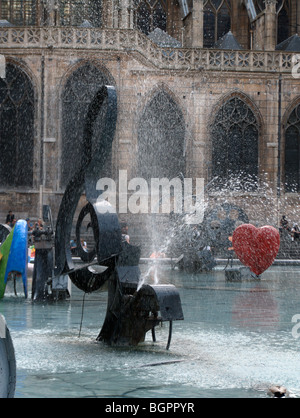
{"points": [[292, 152], [16, 128], [283, 17], [283, 23], [150, 14], [235, 135], [74, 12], [78, 93], [18, 12], [217, 20], [161, 136]]}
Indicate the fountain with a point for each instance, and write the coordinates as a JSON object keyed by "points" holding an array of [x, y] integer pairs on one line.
{"points": [[235, 334], [199, 245], [224, 321], [231, 328], [132, 310]]}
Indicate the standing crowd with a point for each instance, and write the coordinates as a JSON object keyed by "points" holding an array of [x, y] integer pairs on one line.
{"points": [[293, 231], [11, 221]]}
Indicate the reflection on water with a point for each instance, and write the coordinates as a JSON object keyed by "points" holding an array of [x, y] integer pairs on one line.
{"points": [[235, 340]]}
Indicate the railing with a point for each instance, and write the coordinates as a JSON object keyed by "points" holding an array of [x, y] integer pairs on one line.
{"points": [[134, 41]]}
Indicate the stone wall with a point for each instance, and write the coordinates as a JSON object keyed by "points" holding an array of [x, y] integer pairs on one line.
{"points": [[198, 91]]}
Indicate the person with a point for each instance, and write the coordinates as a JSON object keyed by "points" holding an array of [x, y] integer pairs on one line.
{"points": [[295, 232], [84, 245], [29, 225], [231, 245], [284, 224], [10, 219], [73, 245], [39, 224], [124, 232], [278, 391]]}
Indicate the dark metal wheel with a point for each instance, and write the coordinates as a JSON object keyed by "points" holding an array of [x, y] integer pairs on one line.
{"points": [[85, 255]]}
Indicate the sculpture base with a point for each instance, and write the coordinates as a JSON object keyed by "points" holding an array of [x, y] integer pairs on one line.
{"points": [[238, 274]]}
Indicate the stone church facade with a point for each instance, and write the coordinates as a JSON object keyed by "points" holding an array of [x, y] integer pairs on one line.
{"points": [[187, 102]]}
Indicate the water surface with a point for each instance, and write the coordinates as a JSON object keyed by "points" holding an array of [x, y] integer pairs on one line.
{"points": [[236, 339]]}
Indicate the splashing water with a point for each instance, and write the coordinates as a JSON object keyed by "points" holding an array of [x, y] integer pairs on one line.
{"points": [[150, 275]]}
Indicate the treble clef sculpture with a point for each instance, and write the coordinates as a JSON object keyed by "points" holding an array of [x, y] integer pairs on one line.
{"points": [[105, 225], [132, 310]]}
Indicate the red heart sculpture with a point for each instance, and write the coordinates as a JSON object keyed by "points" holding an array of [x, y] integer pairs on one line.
{"points": [[256, 248]]}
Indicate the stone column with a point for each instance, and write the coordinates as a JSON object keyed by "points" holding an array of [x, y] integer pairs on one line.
{"points": [[39, 13], [108, 7], [295, 17], [125, 14], [235, 20], [297, 13], [52, 9], [174, 20], [270, 25], [131, 14], [198, 24]]}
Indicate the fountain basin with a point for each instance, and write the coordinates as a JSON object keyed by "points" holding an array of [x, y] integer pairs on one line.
{"points": [[236, 341]]}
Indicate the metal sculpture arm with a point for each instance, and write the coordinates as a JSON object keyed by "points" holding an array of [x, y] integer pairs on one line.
{"points": [[131, 311], [105, 226]]}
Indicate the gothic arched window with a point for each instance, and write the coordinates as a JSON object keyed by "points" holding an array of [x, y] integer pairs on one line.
{"points": [[16, 128], [217, 20], [292, 152], [259, 6], [283, 17], [19, 13], [283, 20], [235, 135], [78, 93], [74, 12], [150, 14], [161, 139]]}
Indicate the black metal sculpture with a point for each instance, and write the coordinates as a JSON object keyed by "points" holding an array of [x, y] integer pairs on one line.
{"points": [[200, 244], [131, 313], [4, 232]]}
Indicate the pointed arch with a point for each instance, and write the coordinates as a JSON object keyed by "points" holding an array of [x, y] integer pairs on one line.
{"points": [[161, 137], [291, 169], [80, 86], [235, 132], [217, 20], [243, 97], [74, 12], [17, 117], [283, 14], [150, 14]]}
